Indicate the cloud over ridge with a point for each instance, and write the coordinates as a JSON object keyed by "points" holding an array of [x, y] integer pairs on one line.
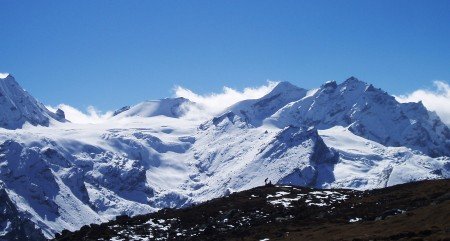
{"points": [[214, 103], [207, 105], [74, 115], [436, 99]]}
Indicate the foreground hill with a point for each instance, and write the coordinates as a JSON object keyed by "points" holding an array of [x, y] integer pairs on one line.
{"points": [[418, 211]]}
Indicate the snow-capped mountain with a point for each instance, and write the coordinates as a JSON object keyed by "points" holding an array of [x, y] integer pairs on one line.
{"points": [[17, 107], [170, 107], [371, 113], [148, 156]]}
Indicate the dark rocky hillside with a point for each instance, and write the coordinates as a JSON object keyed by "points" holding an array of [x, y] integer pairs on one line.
{"points": [[414, 211]]}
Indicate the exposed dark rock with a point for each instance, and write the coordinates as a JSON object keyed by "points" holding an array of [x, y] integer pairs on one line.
{"points": [[404, 212], [12, 225]]}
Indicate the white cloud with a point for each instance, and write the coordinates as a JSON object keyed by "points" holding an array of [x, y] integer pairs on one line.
{"points": [[214, 103], [205, 106], [436, 99], [92, 115]]}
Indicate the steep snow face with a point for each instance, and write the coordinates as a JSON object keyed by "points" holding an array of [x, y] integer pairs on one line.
{"points": [[17, 107], [150, 156], [255, 111], [170, 107], [229, 155], [365, 164], [12, 225], [66, 178], [370, 113]]}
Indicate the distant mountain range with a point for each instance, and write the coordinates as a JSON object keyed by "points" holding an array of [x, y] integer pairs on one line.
{"points": [[57, 175]]}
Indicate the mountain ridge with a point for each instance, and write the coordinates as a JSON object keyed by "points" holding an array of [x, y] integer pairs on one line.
{"points": [[357, 105], [19, 107], [153, 155]]}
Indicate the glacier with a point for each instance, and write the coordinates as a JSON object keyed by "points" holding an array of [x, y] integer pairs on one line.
{"points": [[58, 175]]}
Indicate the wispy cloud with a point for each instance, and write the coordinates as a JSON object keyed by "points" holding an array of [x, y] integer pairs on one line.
{"points": [[91, 116], [436, 99], [206, 105], [214, 103]]}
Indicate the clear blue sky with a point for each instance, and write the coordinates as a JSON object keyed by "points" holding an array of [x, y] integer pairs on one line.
{"points": [[113, 53]]}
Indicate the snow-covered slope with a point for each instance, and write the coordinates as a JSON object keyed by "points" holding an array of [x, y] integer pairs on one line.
{"points": [[17, 107], [170, 107], [149, 156], [371, 113], [13, 226], [256, 110]]}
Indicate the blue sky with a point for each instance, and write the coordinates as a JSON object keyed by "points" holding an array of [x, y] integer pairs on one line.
{"points": [[114, 53]]}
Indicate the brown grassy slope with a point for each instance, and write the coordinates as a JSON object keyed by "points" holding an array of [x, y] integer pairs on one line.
{"points": [[414, 211]]}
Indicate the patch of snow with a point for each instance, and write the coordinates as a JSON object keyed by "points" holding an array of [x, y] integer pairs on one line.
{"points": [[354, 220], [6, 229], [286, 202]]}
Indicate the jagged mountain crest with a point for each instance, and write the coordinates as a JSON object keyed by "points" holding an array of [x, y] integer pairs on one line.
{"points": [[365, 110], [17, 107], [371, 113], [256, 110]]}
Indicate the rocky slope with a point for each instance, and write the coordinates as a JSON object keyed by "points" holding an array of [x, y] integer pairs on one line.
{"points": [[12, 225], [414, 211]]}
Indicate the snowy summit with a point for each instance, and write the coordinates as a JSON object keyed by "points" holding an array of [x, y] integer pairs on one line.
{"points": [[18, 107], [3, 75]]}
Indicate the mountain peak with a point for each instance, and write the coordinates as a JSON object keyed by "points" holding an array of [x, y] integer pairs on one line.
{"points": [[18, 106], [354, 81], [352, 78], [254, 111], [353, 84], [169, 107], [5, 75], [283, 88], [6, 78], [330, 85], [285, 84]]}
